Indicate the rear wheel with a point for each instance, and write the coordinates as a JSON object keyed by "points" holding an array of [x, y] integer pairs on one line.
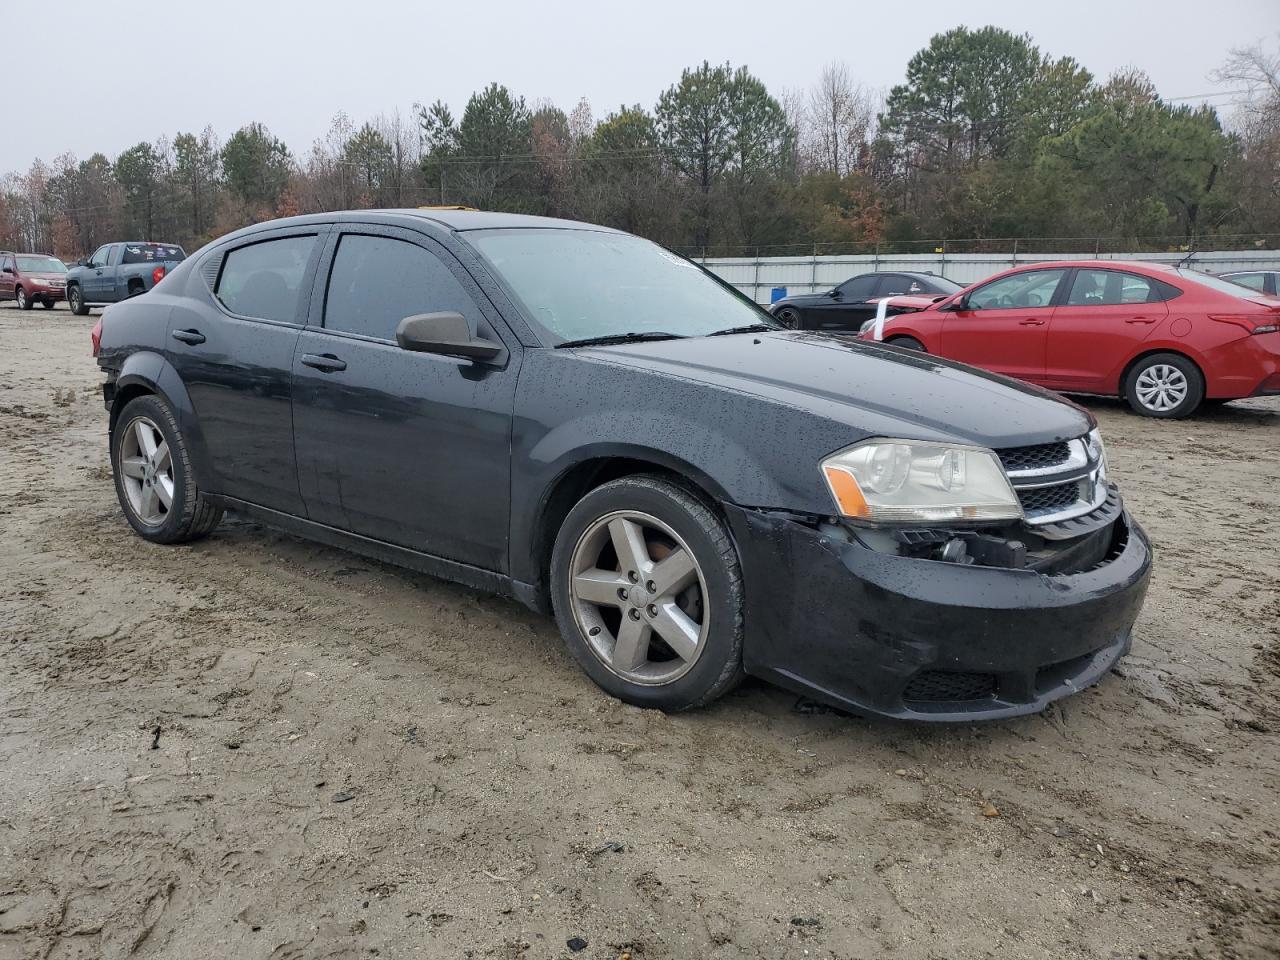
{"points": [[647, 591], [24, 302], [75, 300], [1164, 385], [154, 480], [136, 289], [789, 318]]}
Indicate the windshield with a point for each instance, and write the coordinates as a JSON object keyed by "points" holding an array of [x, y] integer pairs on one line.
{"points": [[152, 252], [579, 284], [40, 265], [1219, 284]]}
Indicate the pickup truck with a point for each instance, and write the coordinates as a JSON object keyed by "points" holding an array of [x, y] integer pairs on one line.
{"points": [[118, 271]]}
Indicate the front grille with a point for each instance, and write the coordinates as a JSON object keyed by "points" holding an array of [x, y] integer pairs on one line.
{"points": [[933, 686], [1050, 499], [1035, 457]]}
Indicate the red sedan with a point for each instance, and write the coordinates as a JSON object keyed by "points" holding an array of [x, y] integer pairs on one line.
{"points": [[1164, 338]]}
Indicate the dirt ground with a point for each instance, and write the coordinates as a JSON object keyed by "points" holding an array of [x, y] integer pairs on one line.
{"points": [[255, 747]]}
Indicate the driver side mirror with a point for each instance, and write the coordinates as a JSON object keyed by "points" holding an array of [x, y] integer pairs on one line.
{"points": [[447, 334], [959, 303]]}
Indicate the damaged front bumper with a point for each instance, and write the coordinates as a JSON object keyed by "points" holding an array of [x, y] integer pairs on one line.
{"points": [[921, 639]]}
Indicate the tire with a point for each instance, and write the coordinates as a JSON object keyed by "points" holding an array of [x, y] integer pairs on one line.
{"points": [[24, 302], [907, 343], [47, 304], [189, 514], [75, 300], [136, 289], [1166, 386], [710, 630], [788, 318]]}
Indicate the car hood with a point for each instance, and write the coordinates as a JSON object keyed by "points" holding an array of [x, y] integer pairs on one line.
{"points": [[873, 388]]}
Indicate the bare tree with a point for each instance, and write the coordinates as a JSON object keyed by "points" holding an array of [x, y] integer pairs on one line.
{"points": [[839, 116]]}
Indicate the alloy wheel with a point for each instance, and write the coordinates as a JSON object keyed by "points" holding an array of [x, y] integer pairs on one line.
{"points": [[639, 597], [146, 469], [21, 299], [1161, 387]]}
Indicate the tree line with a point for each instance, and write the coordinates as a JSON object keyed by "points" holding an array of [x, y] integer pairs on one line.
{"points": [[987, 139]]}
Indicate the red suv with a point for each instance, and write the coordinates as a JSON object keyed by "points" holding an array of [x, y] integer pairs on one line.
{"points": [[32, 278], [1166, 339]]}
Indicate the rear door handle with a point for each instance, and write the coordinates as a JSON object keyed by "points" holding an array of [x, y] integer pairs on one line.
{"points": [[324, 362], [1139, 320], [192, 337], [1031, 323]]}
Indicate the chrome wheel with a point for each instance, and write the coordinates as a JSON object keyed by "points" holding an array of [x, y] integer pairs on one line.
{"points": [[1161, 387], [21, 299], [639, 597], [146, 469]]}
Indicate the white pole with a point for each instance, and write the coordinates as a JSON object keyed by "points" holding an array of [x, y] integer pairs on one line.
{"points": [[881, 308]]}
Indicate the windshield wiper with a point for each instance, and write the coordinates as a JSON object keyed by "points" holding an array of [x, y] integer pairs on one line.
{"points": [[635, 337], [749, 328]]}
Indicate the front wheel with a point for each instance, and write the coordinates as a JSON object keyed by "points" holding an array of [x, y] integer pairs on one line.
{"points": [[1164, 385], [24, 302], [154, 480], [75, 300], [47, 304], [647, 591], [907, 343]]}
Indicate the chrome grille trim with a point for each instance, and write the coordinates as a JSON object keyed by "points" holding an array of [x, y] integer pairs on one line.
{"points": [[1088, 475]]}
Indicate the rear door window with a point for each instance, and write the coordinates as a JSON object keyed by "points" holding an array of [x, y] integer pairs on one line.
{"points": [[377, 281], [1107, 288], [264, 280]]}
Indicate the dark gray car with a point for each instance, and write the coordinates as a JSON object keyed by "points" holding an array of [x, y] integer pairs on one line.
{"points": [[577, 418]]}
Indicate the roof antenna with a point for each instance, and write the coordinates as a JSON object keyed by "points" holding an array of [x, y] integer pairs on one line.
{"points": [[1191, 252]]}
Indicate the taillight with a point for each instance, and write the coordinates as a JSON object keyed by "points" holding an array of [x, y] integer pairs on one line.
{"points": [[96, 336], [157, 275], [1249, 323]]}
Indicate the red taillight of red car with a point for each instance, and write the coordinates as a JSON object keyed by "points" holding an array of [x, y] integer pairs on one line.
{"points": [[157, 275], [1248, 322], [96, 336]]}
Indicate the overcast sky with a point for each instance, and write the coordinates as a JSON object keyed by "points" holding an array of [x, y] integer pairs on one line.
{"points": [[129, 72]]}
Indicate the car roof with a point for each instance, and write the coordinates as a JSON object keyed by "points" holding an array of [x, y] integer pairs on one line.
{"points": [[1096, 265], [452, 218]]}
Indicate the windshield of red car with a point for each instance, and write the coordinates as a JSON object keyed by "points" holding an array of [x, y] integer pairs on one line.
{"points": [[576, 284], [152, 253], [40, 265]]}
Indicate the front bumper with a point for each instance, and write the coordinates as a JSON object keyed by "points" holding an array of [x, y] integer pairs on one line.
{"points": [[44, 292], [927, 640]]}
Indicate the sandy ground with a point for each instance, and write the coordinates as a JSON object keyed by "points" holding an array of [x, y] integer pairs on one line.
{"points": [[254, 747]]}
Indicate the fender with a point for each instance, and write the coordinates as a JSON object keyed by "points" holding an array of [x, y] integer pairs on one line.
{"points": [[152, 371]]}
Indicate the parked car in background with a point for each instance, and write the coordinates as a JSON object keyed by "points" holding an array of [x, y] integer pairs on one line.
{"points": [[31, 278], [1166, 339], [1264, 281], [850, 305], [582, 420], [117, 271]]}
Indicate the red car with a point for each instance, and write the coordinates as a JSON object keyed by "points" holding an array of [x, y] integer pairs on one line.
{"points": [[1166, 339], [32, 278]]}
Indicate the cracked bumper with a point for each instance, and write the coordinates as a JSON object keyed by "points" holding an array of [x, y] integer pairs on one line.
{"points": [[926, 640]]}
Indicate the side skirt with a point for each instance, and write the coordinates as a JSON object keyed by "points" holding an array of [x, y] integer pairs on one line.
{"points": [[463, 573]]}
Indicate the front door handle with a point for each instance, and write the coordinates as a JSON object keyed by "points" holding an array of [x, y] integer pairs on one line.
{"points": [[1031, 323], [324, 362], [192, 337]]}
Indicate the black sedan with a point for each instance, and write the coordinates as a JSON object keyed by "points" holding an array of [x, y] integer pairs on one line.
{"points": [[854, 302], [578, 419]]}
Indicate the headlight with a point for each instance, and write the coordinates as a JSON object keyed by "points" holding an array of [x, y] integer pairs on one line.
{"points": [[907, 481]]}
